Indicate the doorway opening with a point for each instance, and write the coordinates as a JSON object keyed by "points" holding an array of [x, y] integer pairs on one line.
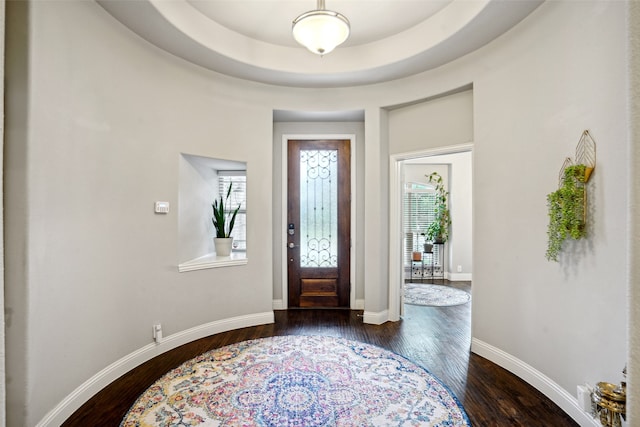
{"points": [[456, 257]]}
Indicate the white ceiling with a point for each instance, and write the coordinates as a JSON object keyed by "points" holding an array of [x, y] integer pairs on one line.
{"points": [[370, 20], [251, 39]]}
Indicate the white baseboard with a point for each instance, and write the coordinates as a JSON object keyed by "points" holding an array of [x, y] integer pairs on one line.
{"points": [[84, 392], [460, 277], [359, 305], [537, 379], [375, 318]]}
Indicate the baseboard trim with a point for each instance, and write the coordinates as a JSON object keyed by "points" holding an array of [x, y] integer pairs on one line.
{"points": [[460, 277], [375, 318], [84, 392], [537, 379], [359, 304]]}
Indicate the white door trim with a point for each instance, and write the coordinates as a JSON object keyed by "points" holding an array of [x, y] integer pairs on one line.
{"points": [[285, 281], [396, 162]]}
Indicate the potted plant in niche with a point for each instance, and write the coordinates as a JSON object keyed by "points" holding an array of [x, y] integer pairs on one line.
{"points": [[223, 222], [438, 230]]}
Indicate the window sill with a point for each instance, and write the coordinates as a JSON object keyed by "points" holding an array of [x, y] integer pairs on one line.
{"points": [[213, 261]]}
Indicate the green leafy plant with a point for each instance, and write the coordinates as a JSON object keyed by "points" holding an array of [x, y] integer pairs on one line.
{"points": [[438, 230], [566, 210], [220, 216]]}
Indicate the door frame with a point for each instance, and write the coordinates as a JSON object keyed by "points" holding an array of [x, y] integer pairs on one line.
{"points": [[396, 262], [283, 219]]}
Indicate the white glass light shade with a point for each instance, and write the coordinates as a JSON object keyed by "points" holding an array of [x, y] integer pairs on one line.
{"points": [[321, 31]]}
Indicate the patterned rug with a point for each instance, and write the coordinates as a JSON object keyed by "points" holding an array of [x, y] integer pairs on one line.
{"points": [[434, 295], [297, 381]]}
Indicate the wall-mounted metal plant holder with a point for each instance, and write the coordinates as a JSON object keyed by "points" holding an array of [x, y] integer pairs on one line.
{"points": [[567, 162], [586, 154], [568, 204]]}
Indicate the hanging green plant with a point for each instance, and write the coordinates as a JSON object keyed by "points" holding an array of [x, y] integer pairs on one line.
{"points": [[567, 210]]}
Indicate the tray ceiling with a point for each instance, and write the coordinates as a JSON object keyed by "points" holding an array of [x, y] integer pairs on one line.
{"points": [[251, 39]]}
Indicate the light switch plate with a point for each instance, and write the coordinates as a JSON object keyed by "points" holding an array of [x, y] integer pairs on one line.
{"points": [[162, 207]]}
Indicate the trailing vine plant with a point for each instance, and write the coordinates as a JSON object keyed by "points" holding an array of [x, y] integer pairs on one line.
{"points": [[566, 210]]}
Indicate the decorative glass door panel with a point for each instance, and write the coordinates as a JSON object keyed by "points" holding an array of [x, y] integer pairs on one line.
{"points": [[318, 208]]}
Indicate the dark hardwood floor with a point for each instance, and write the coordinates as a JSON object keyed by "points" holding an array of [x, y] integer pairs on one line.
{"points": [[437, 338]]}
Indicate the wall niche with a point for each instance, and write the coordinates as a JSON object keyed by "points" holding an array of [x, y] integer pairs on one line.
{"points": [[200, 179]]}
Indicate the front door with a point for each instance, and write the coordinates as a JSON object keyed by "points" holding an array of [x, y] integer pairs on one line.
{"points": [[319, 223]]}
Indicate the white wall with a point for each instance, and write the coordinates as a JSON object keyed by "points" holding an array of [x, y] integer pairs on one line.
{"points": [[460, 249], [97, 115], [376, 220], [633, 391], [108, 117], [15, 201], [530, 110], [439, 122], [196, 192], [562, 70], [2, 322]]}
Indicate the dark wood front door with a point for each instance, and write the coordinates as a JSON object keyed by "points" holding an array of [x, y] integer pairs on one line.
{"points": [[319, 223]]}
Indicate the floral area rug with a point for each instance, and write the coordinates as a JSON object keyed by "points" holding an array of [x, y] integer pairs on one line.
{"points": [[297, 381], [434, 295]]}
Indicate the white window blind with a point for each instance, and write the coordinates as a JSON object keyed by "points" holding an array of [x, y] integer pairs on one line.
{"points": [[238, 179], [418, 212]]}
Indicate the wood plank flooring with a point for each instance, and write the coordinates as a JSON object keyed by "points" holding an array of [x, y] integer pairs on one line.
{"points": [[436, 338]]}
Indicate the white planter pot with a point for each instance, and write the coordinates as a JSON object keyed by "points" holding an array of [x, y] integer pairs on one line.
{"points": [[223, 245]]}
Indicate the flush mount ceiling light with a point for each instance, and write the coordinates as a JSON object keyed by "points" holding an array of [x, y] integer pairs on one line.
{"points": [[321, 30]]}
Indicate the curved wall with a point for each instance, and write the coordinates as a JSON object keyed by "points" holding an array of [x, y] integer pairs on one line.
{"points": [[98, 118], [533, 98]]}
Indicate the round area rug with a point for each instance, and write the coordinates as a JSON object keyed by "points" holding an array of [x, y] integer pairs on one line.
{"points": [[297, 381], [434, 295]]}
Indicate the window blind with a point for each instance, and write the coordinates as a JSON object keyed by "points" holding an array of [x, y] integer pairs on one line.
{"points": [[418, 212]]}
